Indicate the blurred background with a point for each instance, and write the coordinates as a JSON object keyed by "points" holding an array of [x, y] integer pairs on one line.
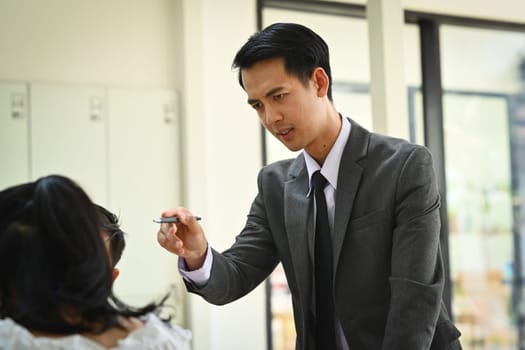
{"points": [[136, 100]]}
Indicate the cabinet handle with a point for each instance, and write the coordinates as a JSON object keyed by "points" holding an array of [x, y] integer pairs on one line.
{"points": [[94, 117], [96, 108], [169, 112], [18, 103]]}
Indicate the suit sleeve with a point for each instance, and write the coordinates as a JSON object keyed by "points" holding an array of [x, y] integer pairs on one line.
{"points": [[417, 277], [239, 269]]}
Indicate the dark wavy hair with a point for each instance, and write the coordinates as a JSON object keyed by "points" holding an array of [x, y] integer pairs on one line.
{"points": [[302, 49], [55, 275]]}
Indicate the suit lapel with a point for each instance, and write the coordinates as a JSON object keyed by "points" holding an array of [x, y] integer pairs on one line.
{"points": [[350, 173], [299, 210], [299, 225]]}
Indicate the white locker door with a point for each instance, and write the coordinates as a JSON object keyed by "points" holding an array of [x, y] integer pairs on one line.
{"points": [[14, 128], [68, 135], [144, 180]]}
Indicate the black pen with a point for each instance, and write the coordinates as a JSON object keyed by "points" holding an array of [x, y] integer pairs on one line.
{"points": [[172, 219]]}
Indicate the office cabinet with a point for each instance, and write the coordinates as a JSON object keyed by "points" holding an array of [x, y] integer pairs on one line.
{"points": [[144, 181], [68, 135]]}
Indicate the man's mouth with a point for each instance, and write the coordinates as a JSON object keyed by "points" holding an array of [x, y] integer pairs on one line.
{"points": [[284, 132]]}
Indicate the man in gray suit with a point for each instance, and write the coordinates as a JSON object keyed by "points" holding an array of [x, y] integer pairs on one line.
{"points": [[380, 198]]}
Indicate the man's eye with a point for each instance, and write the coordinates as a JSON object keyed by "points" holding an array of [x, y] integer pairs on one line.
{"points": [[279, 97], [256, 106]]}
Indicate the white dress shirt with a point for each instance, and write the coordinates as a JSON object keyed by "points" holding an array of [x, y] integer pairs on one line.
{"points": [[330, 171]]}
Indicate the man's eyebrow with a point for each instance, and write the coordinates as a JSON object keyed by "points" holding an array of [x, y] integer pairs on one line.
{"points": [[269, 93], [273, 91]]}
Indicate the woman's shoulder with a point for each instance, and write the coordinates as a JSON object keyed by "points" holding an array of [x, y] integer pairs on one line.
{"points": [[157, 334], [13, 336], [16, 337], [152, 334]]}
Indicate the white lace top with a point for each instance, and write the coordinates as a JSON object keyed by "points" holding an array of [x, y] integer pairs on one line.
{"points": [[155, 335]]}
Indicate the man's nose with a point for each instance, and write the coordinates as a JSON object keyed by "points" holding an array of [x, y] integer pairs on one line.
{"points": [[272, 115]]}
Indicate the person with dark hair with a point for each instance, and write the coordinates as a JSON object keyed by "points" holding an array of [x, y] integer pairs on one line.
{"points": [[354, 219], [56, 277]]}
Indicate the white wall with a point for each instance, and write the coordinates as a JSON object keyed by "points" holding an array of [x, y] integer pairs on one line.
{"points": [[118, 42], [222, 158]]}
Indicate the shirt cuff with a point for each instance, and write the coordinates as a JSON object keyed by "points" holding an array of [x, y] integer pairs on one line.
{"points": [[200, 276]]}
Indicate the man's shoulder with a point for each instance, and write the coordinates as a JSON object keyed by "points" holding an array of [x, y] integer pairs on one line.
{"points": [[282, 171], [363, 142], [378, 150], [283, 166], [392, 145]]}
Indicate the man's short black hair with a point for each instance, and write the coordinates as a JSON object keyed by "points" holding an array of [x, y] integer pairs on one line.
{"points": [[300, 47]]}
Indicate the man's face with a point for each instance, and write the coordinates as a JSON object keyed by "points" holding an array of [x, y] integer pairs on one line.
{"points": [[288, 108]]}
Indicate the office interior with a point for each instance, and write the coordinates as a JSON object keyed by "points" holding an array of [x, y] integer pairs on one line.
{"points": [[137, 101]]}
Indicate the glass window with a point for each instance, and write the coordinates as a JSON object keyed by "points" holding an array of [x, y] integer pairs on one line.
{"points": [[482, 83]]}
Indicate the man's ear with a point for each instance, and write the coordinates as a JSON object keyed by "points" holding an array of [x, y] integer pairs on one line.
{"points": [[321, 81], [116, 272]]}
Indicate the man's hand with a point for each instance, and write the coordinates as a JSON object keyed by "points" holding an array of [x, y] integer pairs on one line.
{"points": [[184, 238]]}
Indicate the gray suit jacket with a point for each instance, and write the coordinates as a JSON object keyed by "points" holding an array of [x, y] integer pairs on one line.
{"points": [[388, 269]]}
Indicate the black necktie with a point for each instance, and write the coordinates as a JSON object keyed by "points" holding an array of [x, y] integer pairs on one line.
{"points": [[324, 296]]}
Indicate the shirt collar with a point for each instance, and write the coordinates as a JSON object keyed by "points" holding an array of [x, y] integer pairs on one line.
{"points": [[330, 169]]}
